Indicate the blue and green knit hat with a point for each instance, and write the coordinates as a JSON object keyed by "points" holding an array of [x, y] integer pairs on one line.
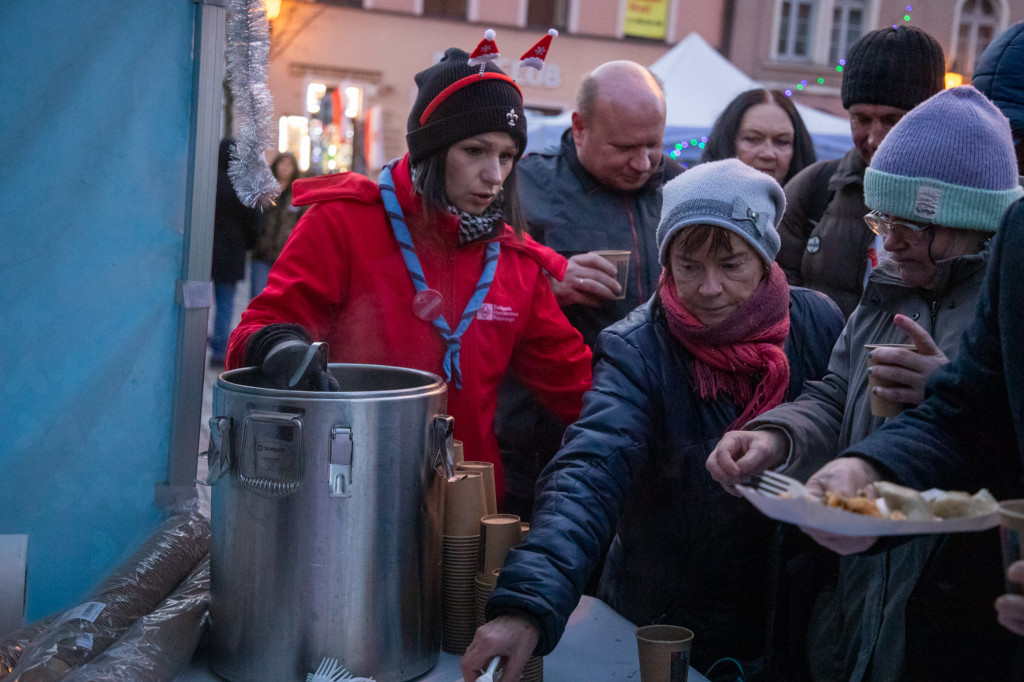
{"points": [[950, 161]]}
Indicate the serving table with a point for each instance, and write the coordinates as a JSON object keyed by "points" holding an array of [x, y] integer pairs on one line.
{"points": [[598, 644]]}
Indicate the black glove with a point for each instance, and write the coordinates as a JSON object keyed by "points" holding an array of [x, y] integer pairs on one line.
{"points": [[289, 360]]}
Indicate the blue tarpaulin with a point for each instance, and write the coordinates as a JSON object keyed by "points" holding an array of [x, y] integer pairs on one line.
{"points": [[95, 104]]}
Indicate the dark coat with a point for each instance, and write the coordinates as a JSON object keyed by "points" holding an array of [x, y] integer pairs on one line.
{"points": [[684, 551], [235, 225], [999, 75], [827, 251]]}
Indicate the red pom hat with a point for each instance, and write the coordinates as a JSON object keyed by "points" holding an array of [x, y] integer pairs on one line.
{"points": [[534, 57]]}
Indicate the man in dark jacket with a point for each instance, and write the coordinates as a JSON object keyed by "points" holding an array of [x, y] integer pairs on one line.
{"points": [[825, 244], [599, 190]]}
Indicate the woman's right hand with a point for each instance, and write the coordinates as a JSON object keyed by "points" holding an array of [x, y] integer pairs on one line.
{"points": [[742, 454], [589, 280]]}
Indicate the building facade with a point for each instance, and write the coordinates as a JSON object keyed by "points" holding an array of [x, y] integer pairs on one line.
{"points": [[342, 71]]}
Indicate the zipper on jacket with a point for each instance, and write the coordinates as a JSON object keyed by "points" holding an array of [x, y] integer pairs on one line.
{"points": [[934, 311]]}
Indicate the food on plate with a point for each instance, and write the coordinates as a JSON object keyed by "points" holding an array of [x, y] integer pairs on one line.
{"points": [[907, 501], [859, 504], [957, 504], [899, 503]]}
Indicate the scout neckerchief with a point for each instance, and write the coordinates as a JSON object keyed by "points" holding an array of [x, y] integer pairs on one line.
{"points": [[428, 301]]}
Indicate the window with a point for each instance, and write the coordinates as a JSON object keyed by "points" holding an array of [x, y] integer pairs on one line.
{"points": [[847, 26], [977, 27], [547, 14], [449, 9], [795, 29]]}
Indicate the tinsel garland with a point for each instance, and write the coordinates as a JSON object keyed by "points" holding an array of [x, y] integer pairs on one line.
{"points": [[248, 52]]}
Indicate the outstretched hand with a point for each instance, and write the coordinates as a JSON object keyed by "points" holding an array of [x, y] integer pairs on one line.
{"points": [[512, 637], [741, 454], [908, 369], [589, 280], [848, 476]]}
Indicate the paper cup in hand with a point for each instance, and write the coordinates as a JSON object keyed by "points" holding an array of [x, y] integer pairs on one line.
{"points": [[464, 504], [664, 653], [1011, 533], [880, 407], [486, 469], [620, 259]]}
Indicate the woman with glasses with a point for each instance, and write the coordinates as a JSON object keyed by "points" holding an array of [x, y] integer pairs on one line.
{"points": [[938, 186]]}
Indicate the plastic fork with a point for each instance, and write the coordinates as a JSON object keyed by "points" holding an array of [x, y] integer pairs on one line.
{"points": [[329, 670], [777, 485], [488, 675]]}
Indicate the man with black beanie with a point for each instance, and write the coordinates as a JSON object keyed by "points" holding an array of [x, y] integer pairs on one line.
{"points": [[826, 244]]}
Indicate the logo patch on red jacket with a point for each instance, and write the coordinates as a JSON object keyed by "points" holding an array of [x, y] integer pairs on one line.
{"points": [[496, 313]]}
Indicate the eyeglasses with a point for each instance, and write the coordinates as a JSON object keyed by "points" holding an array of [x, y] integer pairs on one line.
{"points": [[883, 225]]}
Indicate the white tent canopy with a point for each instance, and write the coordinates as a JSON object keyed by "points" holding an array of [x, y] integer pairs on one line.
{"points": [[699, 84]]}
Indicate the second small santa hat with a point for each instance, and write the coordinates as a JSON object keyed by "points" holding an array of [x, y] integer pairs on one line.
{"points": [[534, 57]]}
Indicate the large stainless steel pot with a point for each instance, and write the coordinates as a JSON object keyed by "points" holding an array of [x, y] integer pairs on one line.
{"points": [[327, 512]]}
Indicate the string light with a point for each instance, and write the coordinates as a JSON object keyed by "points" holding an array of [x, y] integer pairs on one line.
{"points": [[842, 62]]}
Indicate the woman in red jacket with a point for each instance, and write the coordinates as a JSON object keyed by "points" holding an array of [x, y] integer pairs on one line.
{"points": [[419, 269]]}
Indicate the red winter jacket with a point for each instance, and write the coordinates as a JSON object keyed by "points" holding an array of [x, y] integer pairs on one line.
{"points": [[342, 277]]}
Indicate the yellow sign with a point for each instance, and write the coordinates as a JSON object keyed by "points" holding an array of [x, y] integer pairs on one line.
{"points": [[646, 19]]}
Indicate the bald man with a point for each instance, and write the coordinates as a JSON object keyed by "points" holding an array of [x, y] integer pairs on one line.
{"points": [[600, 189]]}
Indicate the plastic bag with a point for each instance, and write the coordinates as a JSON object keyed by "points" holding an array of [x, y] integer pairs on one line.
{"points": [[132, 591], [159, 644], [13, 645]]}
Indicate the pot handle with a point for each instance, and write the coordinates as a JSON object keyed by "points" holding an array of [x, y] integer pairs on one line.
{"points": [[441, 444], [218, 452]]}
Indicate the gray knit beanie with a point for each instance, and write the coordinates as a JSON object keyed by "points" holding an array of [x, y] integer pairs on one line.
{"points": [[729, 194], [949, 161], [897, 67]]}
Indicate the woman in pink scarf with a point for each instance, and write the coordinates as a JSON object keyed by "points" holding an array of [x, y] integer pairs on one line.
{"points": [[724, 339]]}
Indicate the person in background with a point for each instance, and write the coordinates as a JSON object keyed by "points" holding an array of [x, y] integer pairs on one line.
{"points": [[419, 269], [825, 244], [936, 200], [763, 129], [600, 189], [280, 220], [722, 340], [999, 75], [235, 230]]}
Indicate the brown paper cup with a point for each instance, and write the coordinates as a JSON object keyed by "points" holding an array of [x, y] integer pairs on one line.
{"points": [[498, 534], [664, 653], [1011, 534], [458, 452], [880, 407], [620, 259], [487, 470], [464, 504]]}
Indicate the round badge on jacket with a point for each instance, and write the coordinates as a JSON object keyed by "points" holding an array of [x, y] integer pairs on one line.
{"points": [[813, 244], [427, 304]]}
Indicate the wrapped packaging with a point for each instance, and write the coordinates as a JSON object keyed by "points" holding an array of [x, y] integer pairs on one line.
{"points": [[13, 645], [158, 645], [132, 591]]}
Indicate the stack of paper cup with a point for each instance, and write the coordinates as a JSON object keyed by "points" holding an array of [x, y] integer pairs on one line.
{"points": [[458, 452], [460, 555], [484, 586], [486, 469]]}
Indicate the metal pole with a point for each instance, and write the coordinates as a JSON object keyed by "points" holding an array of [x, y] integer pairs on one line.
{"points": [[194, 291]]}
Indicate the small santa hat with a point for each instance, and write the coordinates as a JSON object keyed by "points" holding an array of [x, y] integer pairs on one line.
{"points": [[534, 57], [486, 51]]}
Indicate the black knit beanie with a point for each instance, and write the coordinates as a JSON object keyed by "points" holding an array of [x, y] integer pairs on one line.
{"points": [[488, 103], [898, 67]]}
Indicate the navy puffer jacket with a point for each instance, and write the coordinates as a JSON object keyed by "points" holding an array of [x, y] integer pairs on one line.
{"points": [[999, 75], [684, 551]]}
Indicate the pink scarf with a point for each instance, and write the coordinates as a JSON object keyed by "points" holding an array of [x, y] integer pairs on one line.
{"points": [[743, 349]]}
